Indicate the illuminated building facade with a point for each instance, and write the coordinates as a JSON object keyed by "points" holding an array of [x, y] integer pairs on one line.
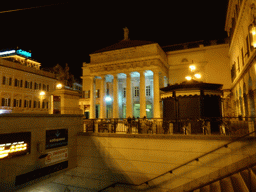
{"points": [[240, 26], [124, 79], [24, 88]]}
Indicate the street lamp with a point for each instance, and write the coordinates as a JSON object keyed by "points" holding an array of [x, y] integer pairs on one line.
{"points": [[42, 93], [59, 86], [193, 74]]}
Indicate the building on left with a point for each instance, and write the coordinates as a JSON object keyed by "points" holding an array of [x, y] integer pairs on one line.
{"points": [[24, 87]]}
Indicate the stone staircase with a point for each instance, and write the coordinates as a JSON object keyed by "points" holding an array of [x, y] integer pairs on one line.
{"points": [[242, 181]]}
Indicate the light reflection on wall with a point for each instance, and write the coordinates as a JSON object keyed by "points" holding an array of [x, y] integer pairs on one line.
{"points": [[7, 148]]}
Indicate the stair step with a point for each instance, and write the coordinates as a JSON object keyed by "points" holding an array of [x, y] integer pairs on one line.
{"points": [[253, 169], [253, 180], [246, 177], [215, 187], [205, 189], [238, 183], [226, 185]]}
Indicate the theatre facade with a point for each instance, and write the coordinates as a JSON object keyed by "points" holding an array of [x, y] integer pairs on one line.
{"points": [[124, 79]]}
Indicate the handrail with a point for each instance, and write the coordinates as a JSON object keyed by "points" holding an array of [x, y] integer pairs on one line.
{"points": [[171, 171], [222, 177]]}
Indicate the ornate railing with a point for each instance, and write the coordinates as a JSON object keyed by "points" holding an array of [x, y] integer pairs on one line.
{"points": [[206, 126]]}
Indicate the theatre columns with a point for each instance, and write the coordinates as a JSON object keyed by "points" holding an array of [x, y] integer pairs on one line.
{"points": [[142, 95], [157, 112], [92, 98], [129, 112], [102, 97], [115, 97]]}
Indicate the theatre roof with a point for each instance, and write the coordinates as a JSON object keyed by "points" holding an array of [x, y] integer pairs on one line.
{"points": [[190, 85], [124, 44]]}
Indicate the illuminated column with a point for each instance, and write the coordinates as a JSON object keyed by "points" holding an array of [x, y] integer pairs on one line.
{"points": [[92, 98], [128, 96], [142, 95], [115, 97], [102, 97], [156, 95]]}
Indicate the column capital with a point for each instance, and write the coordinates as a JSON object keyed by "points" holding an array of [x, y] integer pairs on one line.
{"points": [[142, 72], [102, 76]]}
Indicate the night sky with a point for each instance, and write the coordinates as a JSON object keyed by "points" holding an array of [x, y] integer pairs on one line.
{"points": [[68, 32]]}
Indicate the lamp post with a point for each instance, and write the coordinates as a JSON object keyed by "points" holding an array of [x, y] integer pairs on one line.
{"points": [[42, 94], [193, 74]]}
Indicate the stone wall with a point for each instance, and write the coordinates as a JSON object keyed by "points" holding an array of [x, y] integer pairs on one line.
{"points": [[37, 125], [138, 158]]}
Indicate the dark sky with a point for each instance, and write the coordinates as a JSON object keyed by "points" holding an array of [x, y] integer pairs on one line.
{"points": [[69, 32]]}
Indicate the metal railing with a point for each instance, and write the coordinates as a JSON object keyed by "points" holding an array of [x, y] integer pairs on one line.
{"points": [[205, 126], [184, 164]]}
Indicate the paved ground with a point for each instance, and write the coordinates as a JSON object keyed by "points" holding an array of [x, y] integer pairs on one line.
{"points": [[76, 180], [73, 180]]}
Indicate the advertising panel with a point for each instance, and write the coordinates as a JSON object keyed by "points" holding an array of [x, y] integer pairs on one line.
{"points": [[14, 144], [57, 155], [56, 138]]}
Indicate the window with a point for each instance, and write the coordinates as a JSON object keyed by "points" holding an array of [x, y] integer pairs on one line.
{"points": [[26, 84], [35, 85], [34, 104], [48, 88], [247, 46], [31, 85], [21, 83], [242, 52], [25, 103], [44, 87], [16, 82], [97, 93], [39, 86], [14, 102], [233, 72], [87, 94], [238, 66], [20, 103], [124, 92], [10, 81], [6, 102], [148, 90], [29, 103], [4, 80], [136, 92]]}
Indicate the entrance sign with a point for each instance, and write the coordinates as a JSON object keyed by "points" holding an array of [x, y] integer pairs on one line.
{"points": [[56, 138], [24, 53], [14, 144], [58, 155]]}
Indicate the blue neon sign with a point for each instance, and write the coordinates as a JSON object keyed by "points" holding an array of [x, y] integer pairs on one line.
{"points": [[24, 53]]}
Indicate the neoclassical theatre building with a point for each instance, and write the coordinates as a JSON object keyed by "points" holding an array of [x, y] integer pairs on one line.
{"points": [[124, 79]]}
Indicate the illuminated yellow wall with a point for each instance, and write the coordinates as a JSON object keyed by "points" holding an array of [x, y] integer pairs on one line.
{"points": [[37, 124]]}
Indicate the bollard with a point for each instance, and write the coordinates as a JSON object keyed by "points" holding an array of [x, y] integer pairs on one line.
{"points": [[109, 128], [84, 127], [189, 128], [96, 125], [208, 127], [171, 128]]}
